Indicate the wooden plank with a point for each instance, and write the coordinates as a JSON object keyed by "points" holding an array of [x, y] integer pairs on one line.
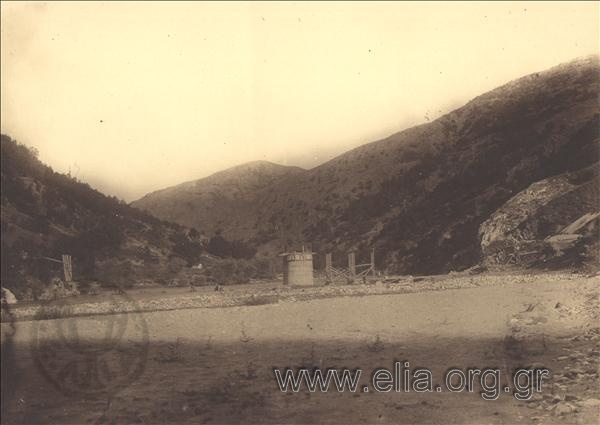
{"points": [[364, 273], [51, 259]]}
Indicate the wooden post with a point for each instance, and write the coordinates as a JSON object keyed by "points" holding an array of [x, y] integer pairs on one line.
{"points": [[373, 261], [351, 266], [285, 269], [67, 268], [328, 271]]}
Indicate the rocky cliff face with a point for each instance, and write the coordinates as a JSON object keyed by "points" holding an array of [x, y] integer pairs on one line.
{"points": [[527, 228]]}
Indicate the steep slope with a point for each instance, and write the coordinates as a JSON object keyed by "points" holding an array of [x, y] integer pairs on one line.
{"points": [[219, 200], [419, 196], [46, 214]]}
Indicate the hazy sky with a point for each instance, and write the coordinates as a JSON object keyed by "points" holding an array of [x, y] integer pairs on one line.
{"points": [[133, 97]]}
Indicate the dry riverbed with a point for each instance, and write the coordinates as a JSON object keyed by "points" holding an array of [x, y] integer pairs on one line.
{"points": [[215, 365], [157, 299]]}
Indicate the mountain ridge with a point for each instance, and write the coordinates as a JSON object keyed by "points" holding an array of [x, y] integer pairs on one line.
{"points": [[418, 196], [229, 188], [218, 174]]}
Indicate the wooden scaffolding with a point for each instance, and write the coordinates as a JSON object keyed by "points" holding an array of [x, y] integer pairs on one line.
{"points": [[352, 273]]}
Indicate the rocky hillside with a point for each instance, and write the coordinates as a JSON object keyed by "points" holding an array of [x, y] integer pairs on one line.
{"points": [[526, 229], [46, 214], [420, 195]]}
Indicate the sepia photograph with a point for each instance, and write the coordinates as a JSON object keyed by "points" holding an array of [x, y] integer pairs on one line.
{"points": [[320, 212]]}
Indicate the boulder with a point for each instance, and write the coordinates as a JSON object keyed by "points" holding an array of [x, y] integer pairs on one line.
{"points": [[8, 297]]}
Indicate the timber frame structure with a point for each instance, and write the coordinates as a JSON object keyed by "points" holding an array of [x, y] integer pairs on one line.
{"points": [[354, 271]]}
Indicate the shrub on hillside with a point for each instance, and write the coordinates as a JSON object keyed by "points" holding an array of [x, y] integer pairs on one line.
{"points": [[224, 248], [187, 249], [231, 271], [59, 289]]}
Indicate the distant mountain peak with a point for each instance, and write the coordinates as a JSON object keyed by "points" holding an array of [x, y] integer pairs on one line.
{"points": [[261, 165], [207, 202]]}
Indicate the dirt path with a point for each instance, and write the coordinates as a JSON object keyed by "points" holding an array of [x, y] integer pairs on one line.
{"points": [[216, 365]]}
